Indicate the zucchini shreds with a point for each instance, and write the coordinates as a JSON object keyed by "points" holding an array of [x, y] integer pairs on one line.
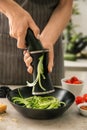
{"points": [[39, 102], [40, 75]]}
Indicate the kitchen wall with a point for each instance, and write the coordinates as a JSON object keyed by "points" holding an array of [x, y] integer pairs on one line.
{"points": [[81, 19]]}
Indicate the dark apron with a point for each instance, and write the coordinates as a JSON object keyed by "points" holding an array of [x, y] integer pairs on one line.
{"points": [[12, 67]]}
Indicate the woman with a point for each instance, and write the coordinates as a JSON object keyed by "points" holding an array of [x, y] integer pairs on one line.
{"points": [[47, 19]]}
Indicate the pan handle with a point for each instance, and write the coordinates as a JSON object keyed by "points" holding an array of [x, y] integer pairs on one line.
{"points": [[3, 91]]}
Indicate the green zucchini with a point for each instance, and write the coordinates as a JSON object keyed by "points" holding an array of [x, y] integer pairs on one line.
{"points": [[71, 57]]}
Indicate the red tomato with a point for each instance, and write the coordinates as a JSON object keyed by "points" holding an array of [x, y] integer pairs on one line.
{"points": [[79, 100], [85, 97], [74, 78], [68, 81], [77, 82]]}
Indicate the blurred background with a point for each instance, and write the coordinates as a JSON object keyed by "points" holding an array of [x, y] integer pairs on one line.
{"points": [[75, 42]]}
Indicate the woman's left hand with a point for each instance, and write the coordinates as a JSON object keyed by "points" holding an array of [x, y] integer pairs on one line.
{"points": [[28, 59]]}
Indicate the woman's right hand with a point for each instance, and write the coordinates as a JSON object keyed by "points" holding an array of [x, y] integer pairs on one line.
{"points": [[19, 21], [19, 25]]}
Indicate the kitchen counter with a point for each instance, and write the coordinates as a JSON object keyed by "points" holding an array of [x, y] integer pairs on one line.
{"points": [[80, 64], [13, 120]]}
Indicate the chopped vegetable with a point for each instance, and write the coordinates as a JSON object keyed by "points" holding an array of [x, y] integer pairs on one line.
{"points": [[40, 73], [85, 97], [79, 99], [70, 57], [73, 80], [39, 102]]}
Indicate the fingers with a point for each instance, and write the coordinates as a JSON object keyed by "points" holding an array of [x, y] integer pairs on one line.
{"points": [[19, 32], [28, 60], [35, 29], [20, 36], [51, 58], [30, 69], [21, 42]]}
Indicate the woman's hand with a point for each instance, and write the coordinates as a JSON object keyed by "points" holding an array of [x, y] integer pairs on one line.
{"points": [[28, 59], [19, 21], [48, 45], [53, 29], [19, 24]]}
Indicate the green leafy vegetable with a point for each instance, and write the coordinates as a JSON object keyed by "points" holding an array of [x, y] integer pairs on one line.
{"points": [[39, 102], [40, 73]]}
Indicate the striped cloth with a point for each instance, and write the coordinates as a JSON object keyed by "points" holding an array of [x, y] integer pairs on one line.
{"points": [[12, 66]]}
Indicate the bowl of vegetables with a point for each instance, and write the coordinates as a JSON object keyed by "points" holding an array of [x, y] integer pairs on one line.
{"points": [[73, 84], [47, 106], [81, 103]]}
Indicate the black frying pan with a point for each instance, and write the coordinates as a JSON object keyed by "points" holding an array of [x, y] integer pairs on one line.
{"points": [[61, 94]]}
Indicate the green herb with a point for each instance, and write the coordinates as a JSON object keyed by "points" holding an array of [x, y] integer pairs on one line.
{"points": [[40, 73], [39, 102]]}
